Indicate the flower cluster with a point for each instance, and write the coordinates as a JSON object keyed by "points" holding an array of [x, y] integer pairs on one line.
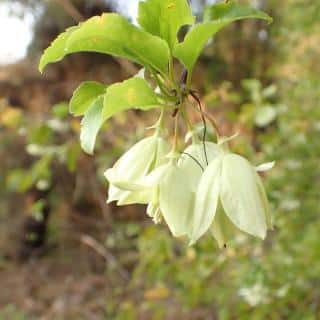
{"points": [[204, 188]]}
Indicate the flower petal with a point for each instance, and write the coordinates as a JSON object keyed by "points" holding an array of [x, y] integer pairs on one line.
{"points": [[197, 151], [121, 182], [142, 197], [153, 211], [240, 196], [265, 166], [265, 202], [222, 228], [137, 160], [176, 201], [124, 197], [152, 179], [130, 170], [223, 140], [206, 199], [114, 193], [163, 149]]}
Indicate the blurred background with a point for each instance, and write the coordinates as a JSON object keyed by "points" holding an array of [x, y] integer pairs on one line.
{"points": [[65, 254]]}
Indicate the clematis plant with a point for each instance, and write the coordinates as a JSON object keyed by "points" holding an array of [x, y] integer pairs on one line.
{"points": [[200, 186]]}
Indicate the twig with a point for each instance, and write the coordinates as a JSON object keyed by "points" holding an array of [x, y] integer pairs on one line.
{"points": [[102, 251], [71, 10]]}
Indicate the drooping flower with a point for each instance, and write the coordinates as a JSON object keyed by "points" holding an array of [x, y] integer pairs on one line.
{"points": [[232, 182], [174, 187], [135, 164]]}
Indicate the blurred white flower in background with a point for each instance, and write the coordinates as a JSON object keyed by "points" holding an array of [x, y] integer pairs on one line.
{"points": [[289, 204], [254, 295]]}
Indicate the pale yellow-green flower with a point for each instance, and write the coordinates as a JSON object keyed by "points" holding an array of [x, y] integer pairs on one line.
{"points": [[174, 185], [135, 164], [232, 182]]}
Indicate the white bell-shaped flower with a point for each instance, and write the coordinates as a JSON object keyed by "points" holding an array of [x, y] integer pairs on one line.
{"points": [[178, 189], [172, 197], [175, 185], [232, 181], [135, 164]]}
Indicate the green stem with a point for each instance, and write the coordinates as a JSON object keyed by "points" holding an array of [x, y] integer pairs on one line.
{"points": [[189, 125], [189, 79], [159, 124], [176, 132], [186, 119], [171, 71], [166, 98], [160, 84]]}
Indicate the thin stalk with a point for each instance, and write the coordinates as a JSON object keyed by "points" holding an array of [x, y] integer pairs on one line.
{"points": [[160, 120], [163, 89], [194, 159], [213, 122], [166, 97], [159, 125], [171, 71], [186, 119], [206, 114], [189, 124], [204, 126], [176, 132], [189, 79]]}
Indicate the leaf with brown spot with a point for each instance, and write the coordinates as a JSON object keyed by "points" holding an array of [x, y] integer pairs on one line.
{"points": [[133, 93]]}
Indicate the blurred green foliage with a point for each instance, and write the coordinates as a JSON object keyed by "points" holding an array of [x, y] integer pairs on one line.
{"points": [[13, 313], [43, 144]]}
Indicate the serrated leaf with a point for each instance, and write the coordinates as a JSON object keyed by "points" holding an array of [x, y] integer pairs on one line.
{"points": [[56, 51], [132, 93], [84, 95], [216, 17], [111, 34], [164, 18], [91, 124]]}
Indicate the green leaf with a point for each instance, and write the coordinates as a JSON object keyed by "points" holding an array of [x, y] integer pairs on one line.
{"points": [[84, 95], [56, 51], [164, 18], [60, 110], [132, 93], [216, 17], [111, 34], [91, 124]]}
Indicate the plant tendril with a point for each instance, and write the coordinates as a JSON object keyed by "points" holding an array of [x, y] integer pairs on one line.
{"points": [[194, 96], [194, 159]]}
